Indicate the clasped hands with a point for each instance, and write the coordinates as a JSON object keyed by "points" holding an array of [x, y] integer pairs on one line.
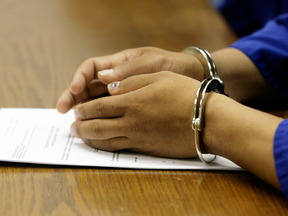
{"points": [[150, 104]]}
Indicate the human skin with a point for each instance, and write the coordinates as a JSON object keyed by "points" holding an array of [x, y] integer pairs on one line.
{"points": [[149, 113], [85, 84], [145, 112]]}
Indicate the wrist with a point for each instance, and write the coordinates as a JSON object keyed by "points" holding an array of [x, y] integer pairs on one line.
{"points": [[213, 84], [215, 122], [197, 67]]}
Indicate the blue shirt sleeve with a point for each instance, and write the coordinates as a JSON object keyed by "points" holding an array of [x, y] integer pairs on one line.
{"points": [[281, 155], [268, 49]]}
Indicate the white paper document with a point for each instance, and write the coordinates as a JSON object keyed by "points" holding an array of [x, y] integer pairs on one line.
{"points": [[42, 136]]}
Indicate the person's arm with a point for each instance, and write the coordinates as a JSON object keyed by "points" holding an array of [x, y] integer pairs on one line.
{"points": [[241, 134], [243, 81], [256, 66]]}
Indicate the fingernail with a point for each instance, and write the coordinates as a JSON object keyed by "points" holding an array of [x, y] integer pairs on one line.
{"points": [[73, 131], [107, 72], [113, 85], [77, 114]]}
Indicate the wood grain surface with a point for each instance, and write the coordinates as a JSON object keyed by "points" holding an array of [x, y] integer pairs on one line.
{"points": [[42, 43]]}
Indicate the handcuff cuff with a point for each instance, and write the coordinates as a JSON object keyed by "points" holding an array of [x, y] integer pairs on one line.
{"points": [[213, 84]]}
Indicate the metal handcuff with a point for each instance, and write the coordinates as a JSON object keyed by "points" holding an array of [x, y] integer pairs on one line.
{"points": [[215, 84]]}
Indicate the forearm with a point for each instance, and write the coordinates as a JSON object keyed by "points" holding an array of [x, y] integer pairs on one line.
{"points": [[241, 134], [243, 81]]}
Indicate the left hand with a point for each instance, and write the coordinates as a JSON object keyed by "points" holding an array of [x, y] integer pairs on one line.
{"points": [[86, 84], [151, 114]]}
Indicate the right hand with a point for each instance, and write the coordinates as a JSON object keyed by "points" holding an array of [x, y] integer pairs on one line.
{"points": [[85, 84], [149, 113]]}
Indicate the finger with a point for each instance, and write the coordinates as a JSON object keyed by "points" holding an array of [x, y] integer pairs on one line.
{"points": [[82, 76], [95, 89], [113, 144], [142, 64], [67, 99], [98, 129], [132, 83], [106, 107], [87, 71], [65, 102]]}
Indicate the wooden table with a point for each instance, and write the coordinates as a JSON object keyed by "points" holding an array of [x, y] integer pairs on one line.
{"points": [[43, 42]]}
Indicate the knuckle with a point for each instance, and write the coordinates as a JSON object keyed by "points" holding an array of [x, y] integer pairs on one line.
{"points": [[100, 109], [106, 145], [88, 61], [113, 144], [83, 65], [96, 130], [110, 145], [160, 60]]}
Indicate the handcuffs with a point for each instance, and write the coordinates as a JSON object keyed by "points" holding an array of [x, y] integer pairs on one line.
{"points": [[215, 84]]}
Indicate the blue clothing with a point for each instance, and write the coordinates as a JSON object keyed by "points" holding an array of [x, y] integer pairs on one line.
{"points": [[268, 49], [265, 24], [281, 155]]}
